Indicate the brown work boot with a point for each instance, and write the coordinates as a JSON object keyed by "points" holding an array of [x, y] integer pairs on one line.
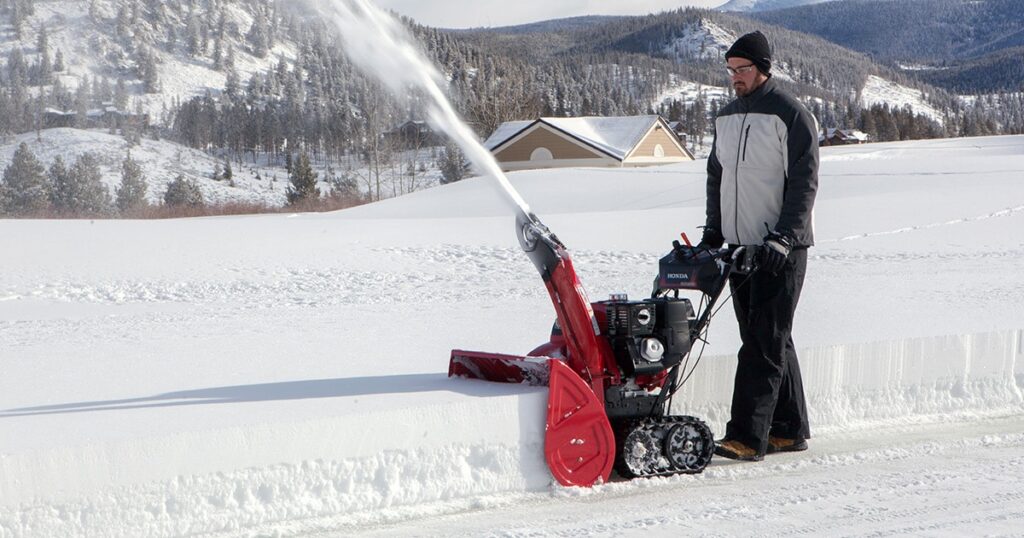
{"points": [[735, 450], [780, 444]]}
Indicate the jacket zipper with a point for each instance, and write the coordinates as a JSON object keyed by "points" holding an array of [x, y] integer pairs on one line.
{"points": [[746, 138], [736, 191]]}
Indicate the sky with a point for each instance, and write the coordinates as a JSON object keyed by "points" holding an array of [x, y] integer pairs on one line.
{"points": [[477, 13]]}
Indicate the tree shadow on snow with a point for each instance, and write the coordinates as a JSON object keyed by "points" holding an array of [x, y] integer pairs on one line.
{"points": [[286, 390]]}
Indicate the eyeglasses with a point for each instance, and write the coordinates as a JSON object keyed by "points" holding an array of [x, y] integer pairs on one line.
{"points": [[741, 70]]}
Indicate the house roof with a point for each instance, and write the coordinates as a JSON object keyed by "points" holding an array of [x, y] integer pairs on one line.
{"points": [[615, 136], [506, 131], [846, 134]]}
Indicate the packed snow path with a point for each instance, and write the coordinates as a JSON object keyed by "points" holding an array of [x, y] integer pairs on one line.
{"points": [[285, 373], [922, 480]]}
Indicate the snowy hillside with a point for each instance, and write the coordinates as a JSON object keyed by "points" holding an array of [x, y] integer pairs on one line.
{"points": [[263, 183], [878, 91], [284, 375], [97, 42], [705, 40], [162, 161]]}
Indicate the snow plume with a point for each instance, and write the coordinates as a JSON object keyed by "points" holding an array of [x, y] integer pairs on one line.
{"points": [[382, 47]]}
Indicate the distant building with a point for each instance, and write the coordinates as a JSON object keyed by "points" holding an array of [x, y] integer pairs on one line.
{"points": [[98, 118], [53, 118], [586, 141], [842, 137], [413, 134]]}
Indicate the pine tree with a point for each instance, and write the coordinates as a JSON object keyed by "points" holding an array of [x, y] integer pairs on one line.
{"points": [[145, 61], [193, 36], [229, 61], [228, 174], [233, 86], [44, 72], [121, 95], [131, 194], [172, 39], [82, 99], [25, 189], [122, 24], [453, 165], [303, 181], [58, 176], [344, 188], [218, 55], [58, 61], [80, 189], [183, 193], [259, 36]]}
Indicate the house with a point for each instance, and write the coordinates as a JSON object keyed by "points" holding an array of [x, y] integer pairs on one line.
{"points": [[841, 137], [413, 134], [108, 116], [586, 141], [53, 118]]}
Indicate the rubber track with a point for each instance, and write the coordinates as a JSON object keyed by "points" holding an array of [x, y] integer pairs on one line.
{"points": [[659, 427]]}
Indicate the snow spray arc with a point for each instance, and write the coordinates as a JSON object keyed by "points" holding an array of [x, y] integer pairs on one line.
{"points": [[380, 46]]}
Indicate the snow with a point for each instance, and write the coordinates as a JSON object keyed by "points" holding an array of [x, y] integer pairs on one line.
{"points": [[878, 91], [284, 375]]}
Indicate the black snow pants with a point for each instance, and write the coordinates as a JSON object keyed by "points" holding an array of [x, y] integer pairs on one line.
{"points": [[768, 396]]}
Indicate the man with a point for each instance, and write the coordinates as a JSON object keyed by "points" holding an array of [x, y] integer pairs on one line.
{"points": [[762, 180]]}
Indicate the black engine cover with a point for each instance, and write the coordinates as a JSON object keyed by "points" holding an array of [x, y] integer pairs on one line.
{"points": [[648, 336]]}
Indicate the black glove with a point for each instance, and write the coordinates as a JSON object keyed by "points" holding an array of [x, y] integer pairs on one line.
{"points": [[712, 238], [774, 252]]}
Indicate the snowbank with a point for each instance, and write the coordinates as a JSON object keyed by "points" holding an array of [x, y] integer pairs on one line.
{"points": [[357, 465]]}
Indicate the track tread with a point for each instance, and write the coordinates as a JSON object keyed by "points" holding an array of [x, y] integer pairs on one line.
{"points": [[659, 427]]}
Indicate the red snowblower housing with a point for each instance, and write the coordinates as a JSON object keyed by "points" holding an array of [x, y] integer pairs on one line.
{"points": [[611, 366]]}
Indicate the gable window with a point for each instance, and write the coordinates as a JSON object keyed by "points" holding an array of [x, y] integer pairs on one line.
{"points": [[659, 151], [541, 154]]}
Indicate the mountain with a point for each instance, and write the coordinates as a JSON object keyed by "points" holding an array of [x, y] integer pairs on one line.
{"points": [[964, 36], [553, 25], [682, 51], [750, 6]]}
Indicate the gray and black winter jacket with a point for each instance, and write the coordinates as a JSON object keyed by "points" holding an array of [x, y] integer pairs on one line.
{"points": [[763, 169]]}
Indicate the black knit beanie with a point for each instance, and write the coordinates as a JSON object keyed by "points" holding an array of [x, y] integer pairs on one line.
{"points": [[754, 47]]}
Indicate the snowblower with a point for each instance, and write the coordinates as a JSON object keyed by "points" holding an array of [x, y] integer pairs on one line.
{"points": [[612, 366]]}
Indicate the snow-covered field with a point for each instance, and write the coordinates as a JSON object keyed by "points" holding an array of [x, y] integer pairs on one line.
{"points": [[284, 375]]}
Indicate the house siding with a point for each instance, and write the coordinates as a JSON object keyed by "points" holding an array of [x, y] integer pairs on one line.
{"points": [[659, 136], [560, 147]]}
